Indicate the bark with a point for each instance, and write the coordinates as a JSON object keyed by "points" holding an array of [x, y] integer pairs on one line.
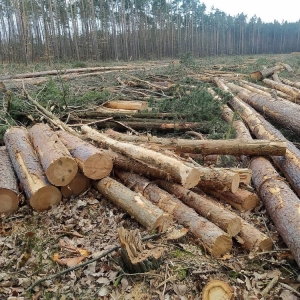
{"points": [[291, 83], [40, 194], [187, 176], [276, 78], [217, 289], [280, 201], [214, 239], [58, 164], [9, 193], [294, 92], [259, 75], [147, 214], [205, 206], [93, 162], [129, 105], [78, 185]]}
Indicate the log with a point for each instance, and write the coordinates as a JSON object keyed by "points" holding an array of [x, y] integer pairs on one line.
{"points": [[259, 75], [294, 92], [136, 205], [40, 193], [59, 166], [276, 77], [9, 192], [291, 83], [129, 105], [280, 201], [93, 162], [205, 206], [187, 176], [216, 241], [217, 290], [79, 184]]}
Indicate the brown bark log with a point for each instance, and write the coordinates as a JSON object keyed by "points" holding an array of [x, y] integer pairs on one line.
{"points": [[9, 193], [206, 207], [281, 203], [294, 92], [187, 176], [134, 204], [129, 105], [79, 184], [40, 194], [259, 75], [217, 289], [58, 164], [214, 239], [93, 162]]}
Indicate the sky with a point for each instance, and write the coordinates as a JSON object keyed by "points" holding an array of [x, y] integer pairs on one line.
{"points": [[267, 10]]}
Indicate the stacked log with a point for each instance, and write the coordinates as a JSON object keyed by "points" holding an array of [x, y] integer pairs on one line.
{"points": [[79, 184]]}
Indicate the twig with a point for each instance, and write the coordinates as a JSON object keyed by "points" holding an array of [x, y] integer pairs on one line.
{"points": [[289, 288], [93, 123], [126, 126], [87, 262], [270, 285]]}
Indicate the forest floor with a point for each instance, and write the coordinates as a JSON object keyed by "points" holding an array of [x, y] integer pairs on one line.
{"points": [[86, 226]]}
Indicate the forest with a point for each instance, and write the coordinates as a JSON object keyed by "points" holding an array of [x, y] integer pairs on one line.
{"points": [[51, 30]]}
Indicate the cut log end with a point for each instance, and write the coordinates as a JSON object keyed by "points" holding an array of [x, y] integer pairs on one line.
{"points": [[217, 290], [192, 179], [235, 183], [9, 202], [265, 244], [234, 227], [62, 171], [98, 166], [45, 198], [78, 185], [222, 245]]}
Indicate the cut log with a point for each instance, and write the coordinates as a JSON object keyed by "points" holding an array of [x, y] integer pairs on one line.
{"points": [[214, 239], [136, 256], [294, 92], [276, 77], [147, 214], [40, 194], [259, 75], [9, 193], [58, 164], [187, 176], [280, 201], [291, 83], [79, 184], [93, 162], [129, 105], [206, 207], [217, 290]]}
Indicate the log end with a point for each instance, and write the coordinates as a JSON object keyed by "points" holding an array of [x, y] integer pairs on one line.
{"points": [[45, 198], [62, 171], [192, 179], [235, 183], [234, 226], [9, 201], [222, 245], [217, 290], [98, 166], [265, 244], [78, 185]]}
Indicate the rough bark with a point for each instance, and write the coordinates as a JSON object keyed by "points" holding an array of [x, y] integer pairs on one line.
{"points": [[214, 239], [40, 194], [259, 75], [9, 193], [79, 184], [281, 203], [291, 83], [187, 176], [58, 164], [292, 91], [93, 162], [129, 105], [147, 214]]}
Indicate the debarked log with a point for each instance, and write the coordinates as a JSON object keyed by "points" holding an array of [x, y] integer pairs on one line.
{"points": [[93, 162], [40, 193], [124, 104], [9, 192], [58, 164], [147, 214], [213, 238]]}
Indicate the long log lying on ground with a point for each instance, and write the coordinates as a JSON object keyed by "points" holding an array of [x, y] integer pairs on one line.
{"points": [[93, 162], [79, 184], [214, 239], [259, 75], [290, 163], [291, 83], [58, 164], [294, 92], [187, 176], [9, 193], [208, 147], [40, 194], [123, 104], [147, 214], [281, 203]]}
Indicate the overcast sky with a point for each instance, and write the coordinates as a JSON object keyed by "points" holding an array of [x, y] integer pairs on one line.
{"points": [[267, 10]]}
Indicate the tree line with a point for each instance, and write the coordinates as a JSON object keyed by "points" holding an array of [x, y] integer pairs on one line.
{"points": [[38, 30]]}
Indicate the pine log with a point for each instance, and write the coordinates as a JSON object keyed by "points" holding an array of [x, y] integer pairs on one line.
{"points": [[40, 194], [215, 240], [280, 201], [58, 164], [217, 290], [291, 83], [93, 162], [79, 184], [129, 105], [259, 75], [276, 77], [205, 206], [187, 176], [147, 214], [208, 147], [290, 163], [292, 91], [9, 193]]}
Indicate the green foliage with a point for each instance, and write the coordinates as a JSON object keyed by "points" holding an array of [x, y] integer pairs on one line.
{"points": [[187, 60], [79, 64]]}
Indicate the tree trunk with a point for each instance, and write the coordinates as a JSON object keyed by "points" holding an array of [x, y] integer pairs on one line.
{"points": [[294, 92], [129, 105], [187, 176], [134, 204], [259, 75], [9, 193], [214, 239], [291, 83], [78, 185], [93, 162], [58, 164], [281, 203], [40, 194]]}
